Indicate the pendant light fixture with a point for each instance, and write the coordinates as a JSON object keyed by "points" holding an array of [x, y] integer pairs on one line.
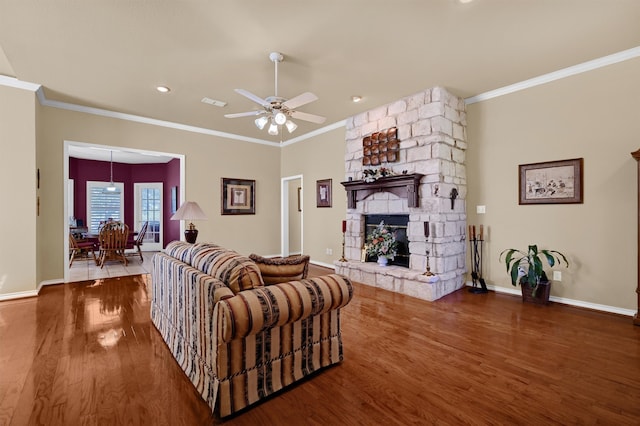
{"points": [[112, 188]]}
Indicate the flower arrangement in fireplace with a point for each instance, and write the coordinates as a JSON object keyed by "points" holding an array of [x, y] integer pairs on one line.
{"points": [[382, 242]]}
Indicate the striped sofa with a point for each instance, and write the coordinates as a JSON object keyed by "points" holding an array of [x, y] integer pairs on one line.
{"points": [[236, 339]]}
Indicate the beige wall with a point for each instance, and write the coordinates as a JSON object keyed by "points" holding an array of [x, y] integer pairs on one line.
{"points": [[594, 115], [320, 158], [208, 159], [18, 190]]}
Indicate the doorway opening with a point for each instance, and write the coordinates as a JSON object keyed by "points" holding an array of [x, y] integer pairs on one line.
{"points": [[145, 200], [291, 216]]}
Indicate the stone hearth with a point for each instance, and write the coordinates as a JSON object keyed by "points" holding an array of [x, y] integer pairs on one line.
{"points": [[431, 128]]}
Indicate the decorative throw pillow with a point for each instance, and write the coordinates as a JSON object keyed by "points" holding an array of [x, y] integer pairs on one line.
{"points": [[280, 270], [238, 272]]}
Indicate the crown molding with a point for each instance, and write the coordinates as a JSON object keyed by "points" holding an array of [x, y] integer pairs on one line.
{"points": [[557, 75], [18, 84]]}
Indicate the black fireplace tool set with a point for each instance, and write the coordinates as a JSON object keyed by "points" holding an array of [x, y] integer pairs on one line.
{"points": [[475, 244]]}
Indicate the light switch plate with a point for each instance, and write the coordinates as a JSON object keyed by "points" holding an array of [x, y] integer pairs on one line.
{"points": [[481, 209]]}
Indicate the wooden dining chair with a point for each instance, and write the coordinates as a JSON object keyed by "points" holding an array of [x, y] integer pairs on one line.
{"points": [[137, 242], [76, 248], [113, 242]]}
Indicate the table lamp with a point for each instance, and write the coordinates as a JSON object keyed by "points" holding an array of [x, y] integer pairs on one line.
{"points": [[190, 211]]}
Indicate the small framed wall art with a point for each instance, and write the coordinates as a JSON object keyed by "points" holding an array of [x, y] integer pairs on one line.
{"points": [[238, 196], [323, 193], [551, 182], [174, 199]]}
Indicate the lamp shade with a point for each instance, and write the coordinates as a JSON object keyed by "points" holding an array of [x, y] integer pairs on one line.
{"points": [[190, 211]]}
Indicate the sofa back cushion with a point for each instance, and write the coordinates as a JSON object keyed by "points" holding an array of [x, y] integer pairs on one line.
{"points": [[282, 270], [180, 250], [238, 272]]}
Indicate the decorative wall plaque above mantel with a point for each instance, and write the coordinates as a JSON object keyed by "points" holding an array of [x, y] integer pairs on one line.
{"points": [[404, 186], [381, 147]]}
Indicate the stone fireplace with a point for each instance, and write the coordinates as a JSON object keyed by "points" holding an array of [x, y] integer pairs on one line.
{"points": [[427, 185]]}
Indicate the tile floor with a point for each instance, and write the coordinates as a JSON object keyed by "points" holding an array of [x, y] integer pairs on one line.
{"points": [[84, 269]]}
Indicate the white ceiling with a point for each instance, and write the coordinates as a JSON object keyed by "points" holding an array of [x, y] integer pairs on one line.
{"points": [[112, 55]]}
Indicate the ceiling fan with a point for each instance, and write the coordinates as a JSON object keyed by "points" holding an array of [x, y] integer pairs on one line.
{"points": [[278, 111]]}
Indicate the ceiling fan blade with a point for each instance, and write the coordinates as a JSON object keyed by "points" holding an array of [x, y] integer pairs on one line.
{"points": [[300, 100], [243, 114], [253, 97], [308, 117]]}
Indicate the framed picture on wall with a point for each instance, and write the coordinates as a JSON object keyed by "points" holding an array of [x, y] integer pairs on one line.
{"points": [[174, 199], [238, 196], [323, 193], [552, 182]]}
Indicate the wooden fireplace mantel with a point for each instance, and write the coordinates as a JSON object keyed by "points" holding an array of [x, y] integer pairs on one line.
{"points": [[404, 186]]}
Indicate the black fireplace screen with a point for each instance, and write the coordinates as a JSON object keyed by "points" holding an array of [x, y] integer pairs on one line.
{"points": [[398, 224]]}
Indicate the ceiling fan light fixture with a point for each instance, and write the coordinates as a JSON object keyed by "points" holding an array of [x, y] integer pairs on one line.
{"points": [[280, 118], [278, 109], [291, 126], [261, 122]]}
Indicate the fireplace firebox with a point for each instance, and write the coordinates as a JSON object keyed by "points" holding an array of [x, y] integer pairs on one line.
{"points": [[397, 223]]}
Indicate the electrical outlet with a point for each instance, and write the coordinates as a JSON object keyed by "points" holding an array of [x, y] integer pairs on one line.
{"points": [[557, 275], [329, 251], [481, 209]]}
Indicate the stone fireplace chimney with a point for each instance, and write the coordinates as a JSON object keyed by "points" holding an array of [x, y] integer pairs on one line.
{"points": [[431, 129]]}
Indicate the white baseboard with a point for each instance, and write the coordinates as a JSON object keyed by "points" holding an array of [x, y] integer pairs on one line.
{"points": [[49, 282], [18, 295], [572, 302], [326, 265]]}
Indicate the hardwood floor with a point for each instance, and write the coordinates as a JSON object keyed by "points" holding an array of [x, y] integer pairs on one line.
{"points": [[87, 353]]}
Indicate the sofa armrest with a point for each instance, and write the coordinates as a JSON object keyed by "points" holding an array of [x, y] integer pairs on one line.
{"points": [[259, 309]]}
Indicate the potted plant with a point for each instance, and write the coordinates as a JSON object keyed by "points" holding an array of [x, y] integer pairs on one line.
{"points": [[527, 266], [382, 243]]}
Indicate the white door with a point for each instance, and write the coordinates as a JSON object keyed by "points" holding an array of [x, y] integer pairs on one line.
{"points": [[148, 208]]}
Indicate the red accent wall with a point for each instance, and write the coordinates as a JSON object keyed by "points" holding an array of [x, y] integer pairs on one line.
{"points": [[82, 171]]}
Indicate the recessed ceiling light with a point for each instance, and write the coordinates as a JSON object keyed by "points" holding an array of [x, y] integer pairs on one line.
{"points": [[356, 98], [163, 89]]}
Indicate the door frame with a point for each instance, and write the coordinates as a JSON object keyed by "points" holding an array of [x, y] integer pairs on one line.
{"points": [[284, 214]]}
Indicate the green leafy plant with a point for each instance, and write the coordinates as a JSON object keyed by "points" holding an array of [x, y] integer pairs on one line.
{"points": [[382, 242], [528, 265]]}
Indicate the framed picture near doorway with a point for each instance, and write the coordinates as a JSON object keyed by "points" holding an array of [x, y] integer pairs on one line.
{"points": [[238, 196], [323, 193]]}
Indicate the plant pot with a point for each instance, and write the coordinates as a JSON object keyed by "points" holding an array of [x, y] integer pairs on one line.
{"points": [[382, 261], [542, 293]]}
